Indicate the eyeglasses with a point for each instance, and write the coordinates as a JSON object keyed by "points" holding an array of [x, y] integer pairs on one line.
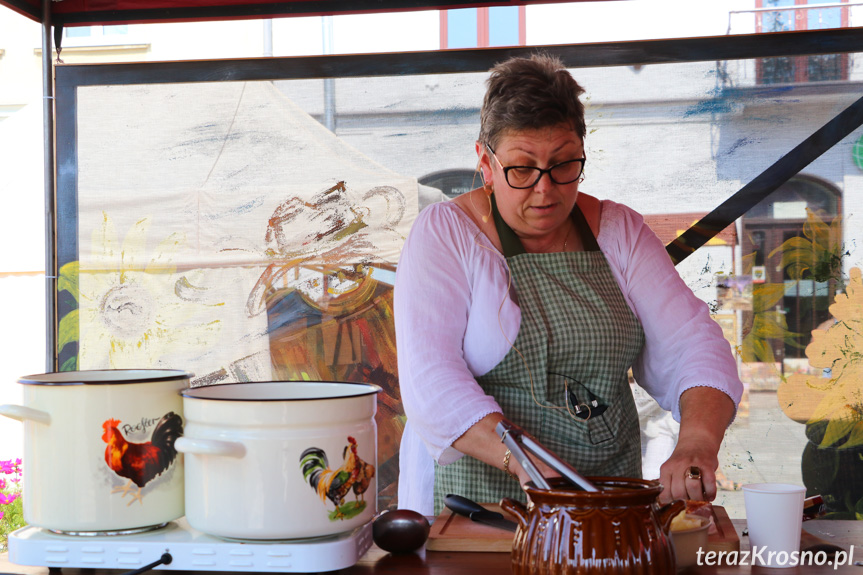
{"points": [[522, 177]]}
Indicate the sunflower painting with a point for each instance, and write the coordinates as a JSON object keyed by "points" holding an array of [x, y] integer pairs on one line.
{"points": [[134, 309], [836, 396], [830, 404]]}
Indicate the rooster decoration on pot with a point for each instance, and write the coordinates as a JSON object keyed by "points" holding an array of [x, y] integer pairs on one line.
{"points": [[334, 484], [140, 463]]}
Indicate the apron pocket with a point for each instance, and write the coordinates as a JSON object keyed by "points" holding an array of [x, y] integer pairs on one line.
{"points": [[601, 420], [598, 427]]}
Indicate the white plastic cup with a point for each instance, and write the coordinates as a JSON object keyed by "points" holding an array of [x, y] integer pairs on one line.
{"points": [[774, 517]]}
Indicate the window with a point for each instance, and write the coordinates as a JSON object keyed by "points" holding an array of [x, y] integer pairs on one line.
{"points": [[452, 183], [80, 36], [95, 31], [801, 15], [483, 27]]}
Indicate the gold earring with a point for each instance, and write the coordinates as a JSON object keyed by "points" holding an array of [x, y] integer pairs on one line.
{"points": [[489, 190]]}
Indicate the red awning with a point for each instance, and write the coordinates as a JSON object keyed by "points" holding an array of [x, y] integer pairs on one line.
{"points": [[92, 12]]}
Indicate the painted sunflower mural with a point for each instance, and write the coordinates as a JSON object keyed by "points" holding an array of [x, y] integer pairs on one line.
{"points": [[831, 406], [133, 310]]}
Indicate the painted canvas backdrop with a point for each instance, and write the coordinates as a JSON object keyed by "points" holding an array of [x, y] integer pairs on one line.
{"points": [[224, 231]]}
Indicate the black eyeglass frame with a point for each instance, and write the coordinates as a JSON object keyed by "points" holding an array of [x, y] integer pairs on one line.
{"points": [[506, 170]]}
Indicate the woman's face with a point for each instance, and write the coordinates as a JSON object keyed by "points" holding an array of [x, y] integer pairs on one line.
{"points": [[536, 212]]}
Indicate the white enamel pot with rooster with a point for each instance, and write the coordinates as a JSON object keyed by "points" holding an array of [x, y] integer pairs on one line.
{"points": [[280, 460], [99, 449]]}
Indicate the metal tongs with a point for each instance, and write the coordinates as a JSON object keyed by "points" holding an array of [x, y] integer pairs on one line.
{"points": [[517, 440]]}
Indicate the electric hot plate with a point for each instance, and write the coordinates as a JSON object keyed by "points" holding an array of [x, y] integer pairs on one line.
{"points": [[190, 550]]}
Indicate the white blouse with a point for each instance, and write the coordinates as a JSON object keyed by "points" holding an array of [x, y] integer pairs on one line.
{"points": [[454, 321]]}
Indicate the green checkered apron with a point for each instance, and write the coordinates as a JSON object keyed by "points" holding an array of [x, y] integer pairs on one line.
{"points": [[578, 338]]}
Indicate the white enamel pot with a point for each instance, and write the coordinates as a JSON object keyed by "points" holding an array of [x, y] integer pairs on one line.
{"points": [[280, 460], [98, 449]]}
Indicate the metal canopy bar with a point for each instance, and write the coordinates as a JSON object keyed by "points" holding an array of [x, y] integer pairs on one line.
{"points": [[48, 172], [24, 8], [190, 13]]}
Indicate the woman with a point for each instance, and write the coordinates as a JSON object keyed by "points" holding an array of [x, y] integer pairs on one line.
{"points": [[527, 300]]}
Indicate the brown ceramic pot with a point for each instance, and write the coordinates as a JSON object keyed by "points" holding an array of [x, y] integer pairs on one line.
{"points": [[620, 529]]}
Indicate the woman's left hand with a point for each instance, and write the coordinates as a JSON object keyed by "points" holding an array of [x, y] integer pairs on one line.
{"points": [[690, 472]]}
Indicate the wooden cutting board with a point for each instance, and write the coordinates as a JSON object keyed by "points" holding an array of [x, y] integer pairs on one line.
{"points": [[452, 532]]}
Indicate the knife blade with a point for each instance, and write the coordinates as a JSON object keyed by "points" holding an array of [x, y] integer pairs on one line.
{"points": [[478, 513]]}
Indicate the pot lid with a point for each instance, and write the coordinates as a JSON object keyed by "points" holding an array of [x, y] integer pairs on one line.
{"points": [[105, 377], [281, 391]]}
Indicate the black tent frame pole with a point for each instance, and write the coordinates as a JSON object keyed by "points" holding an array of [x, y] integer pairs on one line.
{"points": [[48, 170], [766, 182]]}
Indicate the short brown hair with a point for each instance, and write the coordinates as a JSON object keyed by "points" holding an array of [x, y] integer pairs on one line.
{"points": [[527, 94]]}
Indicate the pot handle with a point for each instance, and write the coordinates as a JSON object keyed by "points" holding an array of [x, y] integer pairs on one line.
{"points": [[22, 413], [515, 508], [668, 511], [210, 447]]}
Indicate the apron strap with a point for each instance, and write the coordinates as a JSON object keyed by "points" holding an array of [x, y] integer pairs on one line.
{"points": [[512, 246], [587, 237]]}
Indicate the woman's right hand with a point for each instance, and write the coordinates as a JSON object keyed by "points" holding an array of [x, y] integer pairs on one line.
{"points": [[482, 442], [523, 476]]}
